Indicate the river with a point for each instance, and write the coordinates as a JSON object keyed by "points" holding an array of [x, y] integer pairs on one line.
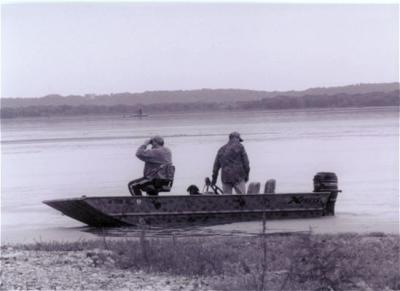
{"points": [[49, 158]]}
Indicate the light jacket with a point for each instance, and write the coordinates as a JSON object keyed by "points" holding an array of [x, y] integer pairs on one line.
{"points": [[158, 162]]}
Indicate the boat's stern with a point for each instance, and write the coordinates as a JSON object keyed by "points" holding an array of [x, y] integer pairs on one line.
{"points": [[327, 182]]}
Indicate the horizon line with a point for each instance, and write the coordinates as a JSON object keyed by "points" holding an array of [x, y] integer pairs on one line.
{"points": [[200, 89]]}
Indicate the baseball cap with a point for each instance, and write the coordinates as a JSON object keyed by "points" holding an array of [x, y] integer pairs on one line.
{"points": [[158, 140], [235, 134]]}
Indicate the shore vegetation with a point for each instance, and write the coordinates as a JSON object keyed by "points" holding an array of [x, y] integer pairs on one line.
{"points": [[304, 261]]}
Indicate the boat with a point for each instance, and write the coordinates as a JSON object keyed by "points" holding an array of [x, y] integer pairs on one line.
{"points": [[139, 114], [209, 209]]}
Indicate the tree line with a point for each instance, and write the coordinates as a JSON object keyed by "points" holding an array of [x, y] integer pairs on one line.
{"points": [[280, 102]]}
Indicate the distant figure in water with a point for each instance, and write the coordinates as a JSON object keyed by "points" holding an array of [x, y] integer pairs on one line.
{"points": [[158, 169], [234, 164]]}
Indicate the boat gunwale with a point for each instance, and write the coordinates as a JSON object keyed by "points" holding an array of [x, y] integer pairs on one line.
{"points": [[214, 196], [216, 212]]}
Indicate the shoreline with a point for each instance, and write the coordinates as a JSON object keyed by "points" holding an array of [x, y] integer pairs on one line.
{"points": [[285, 261], [78, 270], [68, 230], [195, 113]]}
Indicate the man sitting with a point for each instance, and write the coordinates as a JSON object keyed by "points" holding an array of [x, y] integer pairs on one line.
{"points": [[158, 169]]}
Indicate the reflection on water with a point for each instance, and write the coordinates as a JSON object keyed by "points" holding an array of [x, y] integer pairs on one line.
{"points": [[167, 232], [161, 232]]}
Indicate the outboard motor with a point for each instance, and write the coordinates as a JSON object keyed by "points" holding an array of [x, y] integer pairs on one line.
{"points": [[327, 182]]}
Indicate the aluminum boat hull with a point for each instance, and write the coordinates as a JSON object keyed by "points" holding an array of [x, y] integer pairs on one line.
{"points": [[115, 211]]}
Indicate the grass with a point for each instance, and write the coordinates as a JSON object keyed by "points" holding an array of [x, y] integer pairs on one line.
{"points": [[266, 262]]}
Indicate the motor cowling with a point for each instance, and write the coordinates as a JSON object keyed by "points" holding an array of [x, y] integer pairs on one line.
{"points": [[327, 182]]}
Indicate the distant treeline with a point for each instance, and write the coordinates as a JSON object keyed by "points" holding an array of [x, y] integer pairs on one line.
{"points": [[324, 101], [274, 103], [190, 96]]}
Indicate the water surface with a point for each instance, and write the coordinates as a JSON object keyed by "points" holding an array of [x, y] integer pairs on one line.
{"points": [[50, 158]]}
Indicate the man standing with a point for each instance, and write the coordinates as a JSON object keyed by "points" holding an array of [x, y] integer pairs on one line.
{"points": [[234, 164], [158, 169]]}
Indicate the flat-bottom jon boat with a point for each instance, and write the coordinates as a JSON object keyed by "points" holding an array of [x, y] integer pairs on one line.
{"points": [[201, 209]]}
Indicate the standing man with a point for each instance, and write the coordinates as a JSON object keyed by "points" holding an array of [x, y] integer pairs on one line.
{"points": [[158, 169], [234, 163]]}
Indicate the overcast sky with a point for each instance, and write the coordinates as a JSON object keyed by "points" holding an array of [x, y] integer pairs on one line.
{"points": [[110, 48]]}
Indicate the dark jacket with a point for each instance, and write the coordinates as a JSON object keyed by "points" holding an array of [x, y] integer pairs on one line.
{"points": [[233, 161], [158, 162]]}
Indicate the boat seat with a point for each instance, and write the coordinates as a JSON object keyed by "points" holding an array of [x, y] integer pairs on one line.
{"points": [[162, 185], [163, 179], [254, 188], [270, 186]]}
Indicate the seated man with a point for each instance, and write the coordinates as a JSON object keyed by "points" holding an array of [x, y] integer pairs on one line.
{"points": [[158, 169]]}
